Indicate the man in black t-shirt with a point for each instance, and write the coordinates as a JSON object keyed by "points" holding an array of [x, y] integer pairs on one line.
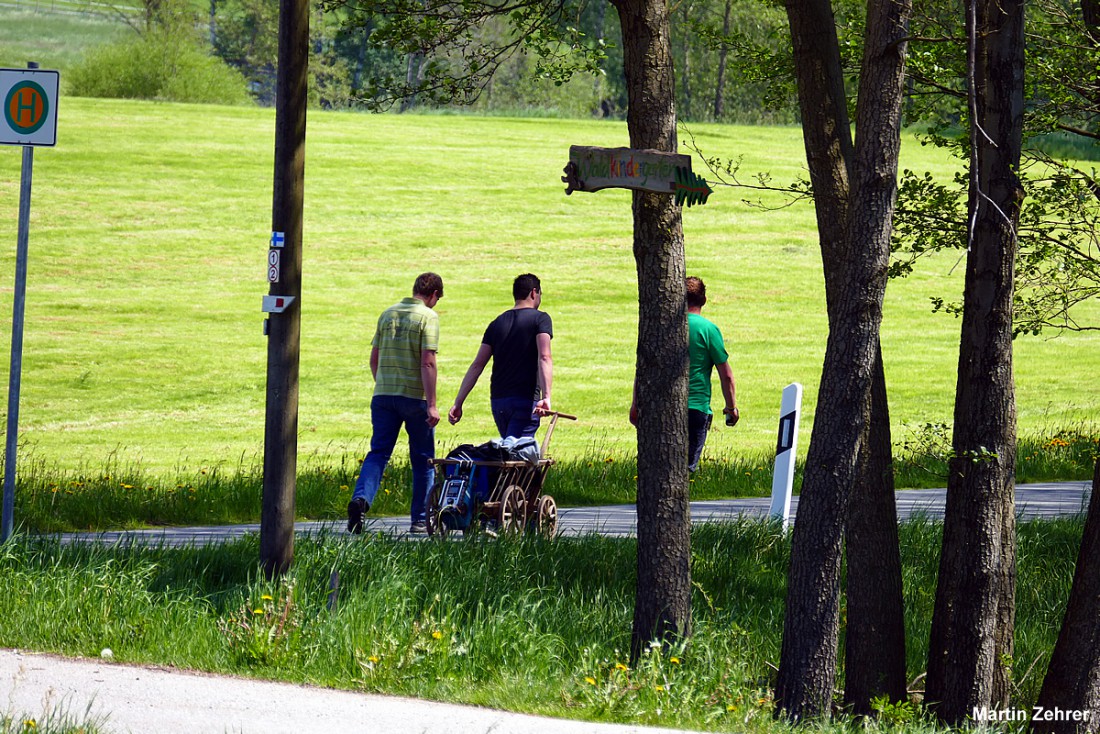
{"points": [[518, 342]]}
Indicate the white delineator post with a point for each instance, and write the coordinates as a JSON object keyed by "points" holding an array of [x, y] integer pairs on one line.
{"points": [[785, 450]]}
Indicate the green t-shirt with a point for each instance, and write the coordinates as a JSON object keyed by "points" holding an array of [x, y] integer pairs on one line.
{"points": [[705, 349], [404, 331]]}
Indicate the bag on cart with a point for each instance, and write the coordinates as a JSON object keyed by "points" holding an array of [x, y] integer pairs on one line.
{"points": [[456, 503]]}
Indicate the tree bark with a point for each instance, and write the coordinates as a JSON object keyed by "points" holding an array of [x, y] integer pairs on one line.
{"points": [[874, 648], [662, 609], [856, 268], [1072, 682], [970, 647]]}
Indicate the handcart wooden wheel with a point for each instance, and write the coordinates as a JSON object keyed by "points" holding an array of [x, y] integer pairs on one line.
{"points": [[545, 521], [513, 510]]}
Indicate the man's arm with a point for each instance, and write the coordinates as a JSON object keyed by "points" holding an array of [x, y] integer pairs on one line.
{"points": [[484, 352], [634, 403], [546, 372], [729, 389], [428, 377], [374, 363]]}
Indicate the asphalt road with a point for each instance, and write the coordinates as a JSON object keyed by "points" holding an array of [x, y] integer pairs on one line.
{"points": [[1033, 501]]}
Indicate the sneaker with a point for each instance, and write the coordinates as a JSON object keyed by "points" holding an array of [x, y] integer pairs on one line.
{"points": [[418, 528], [356, 509]]}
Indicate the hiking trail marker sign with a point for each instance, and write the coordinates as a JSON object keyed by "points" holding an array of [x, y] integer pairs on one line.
{"points": [[29, 115], [593, 169]]}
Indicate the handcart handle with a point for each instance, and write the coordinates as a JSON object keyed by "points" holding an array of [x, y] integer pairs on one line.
{"points": [[554, 415]]}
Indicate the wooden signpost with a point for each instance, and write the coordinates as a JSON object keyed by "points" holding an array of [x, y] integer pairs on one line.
{"points": [[594, 169]]}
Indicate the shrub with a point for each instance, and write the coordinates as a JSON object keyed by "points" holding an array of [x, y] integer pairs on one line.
{"points": [[159, 65]]}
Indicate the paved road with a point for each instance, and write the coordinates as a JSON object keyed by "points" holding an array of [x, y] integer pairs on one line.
{"points": [[154, 700], [1033, 501]]}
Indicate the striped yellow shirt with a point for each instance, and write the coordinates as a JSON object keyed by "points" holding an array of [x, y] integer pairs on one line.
{"points": [[404, 331]]}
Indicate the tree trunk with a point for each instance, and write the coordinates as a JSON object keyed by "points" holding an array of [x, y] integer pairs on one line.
{"points": [[686, 71], [662, 609], [970, 646], [723, 56], [213, 25], [874, 649], [414, 74], [1073, 677], [807, 670]]}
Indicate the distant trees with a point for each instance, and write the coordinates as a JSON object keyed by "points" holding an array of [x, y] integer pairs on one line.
{"points": [[165, 59]]}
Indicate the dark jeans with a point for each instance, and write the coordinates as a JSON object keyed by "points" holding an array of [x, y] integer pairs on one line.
{"points": [[698, 425], [515, 416], [387, 414]]}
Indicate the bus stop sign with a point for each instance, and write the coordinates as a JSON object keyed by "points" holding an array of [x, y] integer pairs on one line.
{"points": [[29, 114]]}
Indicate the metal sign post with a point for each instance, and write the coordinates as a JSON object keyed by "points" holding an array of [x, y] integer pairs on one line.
{"points": [[786, 446], [29, 118]]}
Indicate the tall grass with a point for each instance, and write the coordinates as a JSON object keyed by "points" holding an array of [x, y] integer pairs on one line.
{"points": [[118, 494], [530, 625]]}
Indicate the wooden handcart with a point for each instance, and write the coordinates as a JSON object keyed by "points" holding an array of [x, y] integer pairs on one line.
{"points": [[509, 502]]}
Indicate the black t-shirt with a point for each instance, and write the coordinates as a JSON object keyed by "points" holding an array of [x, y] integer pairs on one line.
{"points": [[516, 353]]}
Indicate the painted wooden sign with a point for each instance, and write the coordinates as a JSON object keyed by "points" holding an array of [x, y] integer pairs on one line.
{"points": [[594, 169]]}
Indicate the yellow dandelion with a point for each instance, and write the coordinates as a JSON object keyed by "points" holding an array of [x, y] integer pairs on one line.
{"points": [[257, 611], [659, 689], [731, 707], [437, 635], [762, 702], [373, 658], [620, 666], [674, 660], [387, 491], [266, 597], [30, 724], [590, 680], [343, 488]]}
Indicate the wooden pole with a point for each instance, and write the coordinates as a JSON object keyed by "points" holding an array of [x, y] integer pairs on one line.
{"points": [[284, 329]]}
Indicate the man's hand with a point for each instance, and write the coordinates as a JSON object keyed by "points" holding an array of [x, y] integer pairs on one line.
{"points": [[542, 407], [455, 414], [433, 416], [732, 416]]}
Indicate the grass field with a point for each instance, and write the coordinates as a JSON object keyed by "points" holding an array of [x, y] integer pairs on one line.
{"points": [[148, 245], [54, 33]]}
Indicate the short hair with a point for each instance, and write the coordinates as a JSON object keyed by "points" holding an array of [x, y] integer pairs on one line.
{"points": [[524, 284], [426, 284], [696, 292]]}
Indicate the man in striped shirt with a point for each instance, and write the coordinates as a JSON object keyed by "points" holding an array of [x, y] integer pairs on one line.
{"points": [[402, 360]]}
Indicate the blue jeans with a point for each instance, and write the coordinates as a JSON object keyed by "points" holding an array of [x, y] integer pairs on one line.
{"points": [[387, 414], [698, 425], [514, 416]]}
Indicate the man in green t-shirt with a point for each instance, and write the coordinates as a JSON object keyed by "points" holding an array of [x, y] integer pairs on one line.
{"points": [[402, 360], [706, 352]]}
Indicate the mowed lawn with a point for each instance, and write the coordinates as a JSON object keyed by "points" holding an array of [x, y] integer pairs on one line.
{"points": [[150, 227]]}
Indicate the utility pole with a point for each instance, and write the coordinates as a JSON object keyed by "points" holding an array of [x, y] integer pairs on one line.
{"points": [[283, 327]]}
